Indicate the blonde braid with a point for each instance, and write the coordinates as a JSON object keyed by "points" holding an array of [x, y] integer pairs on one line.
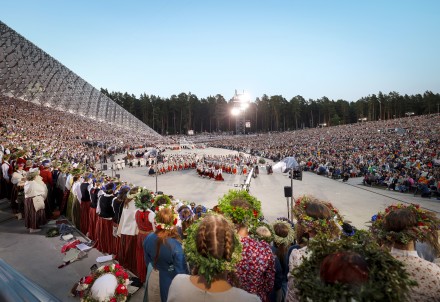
{"points": [[229, 242], [201, 241]]}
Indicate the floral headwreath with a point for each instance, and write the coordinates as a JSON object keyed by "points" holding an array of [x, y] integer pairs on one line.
{"points": [[254, 234], [425, 230], [240, 215], [161, 197], [121, 291], [289, 239], [165, 226], [142, 199], [387, 278], [324, 226], [209, 266], [185, 218]]}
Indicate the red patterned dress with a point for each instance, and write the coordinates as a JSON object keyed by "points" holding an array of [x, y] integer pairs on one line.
{"points": [[144, 221], [256, 270]]}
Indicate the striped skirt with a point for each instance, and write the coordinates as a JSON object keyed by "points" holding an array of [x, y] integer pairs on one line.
{"points": [[84, 221], [104, 235], [33, 219], [127, 252], [92, 223]]}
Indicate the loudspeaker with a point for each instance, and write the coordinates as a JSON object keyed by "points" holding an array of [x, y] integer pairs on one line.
{"points": [[104, 167], [287, 191], [118, 176]]}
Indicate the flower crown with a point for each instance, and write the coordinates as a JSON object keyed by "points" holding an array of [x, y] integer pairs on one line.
{"points": [[240, 215], [142, 199], [209, 266], [165, 226], [121, 291], [387, 278], [254, 233], [424, 231], [289, 239], [318, 225]]}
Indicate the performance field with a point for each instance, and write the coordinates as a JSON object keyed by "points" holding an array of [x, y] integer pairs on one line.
{"points": [[38, 257], [356, 202]]}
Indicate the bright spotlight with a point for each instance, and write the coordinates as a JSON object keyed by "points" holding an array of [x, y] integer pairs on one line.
{"points": [[244, 105], [235, 111]]}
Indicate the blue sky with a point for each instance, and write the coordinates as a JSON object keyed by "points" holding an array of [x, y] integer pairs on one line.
{"points": [[339, 49]]}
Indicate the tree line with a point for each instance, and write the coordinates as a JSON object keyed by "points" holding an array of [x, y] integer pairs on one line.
{"points": [[180, 113]]}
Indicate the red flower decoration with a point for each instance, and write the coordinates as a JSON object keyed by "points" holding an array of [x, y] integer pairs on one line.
{"points": [[175, 221], [159, 227], [420, 224], [121, 290], [417, 206], [118, 266], [157, 209], [113, 300], [255, 213], [119, 274], [106, 268], [125, 275], [88, 280]]}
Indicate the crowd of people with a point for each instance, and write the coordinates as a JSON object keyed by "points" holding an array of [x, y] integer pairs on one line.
{"points": [[229, 252], [393, 152]]}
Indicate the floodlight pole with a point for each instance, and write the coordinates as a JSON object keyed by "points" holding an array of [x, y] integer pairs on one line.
{"points": [[156, 176], [291, 196]]}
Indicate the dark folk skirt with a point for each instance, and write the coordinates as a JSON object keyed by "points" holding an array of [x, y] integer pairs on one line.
{"points": [[33, 219]]}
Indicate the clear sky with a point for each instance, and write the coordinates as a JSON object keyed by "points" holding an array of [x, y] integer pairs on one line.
{"points": [[339, 49]]}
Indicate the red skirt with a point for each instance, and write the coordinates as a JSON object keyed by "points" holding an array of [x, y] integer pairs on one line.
{"points": [[104, 235], [115, 243], [84, 221], [127, 253], [140, 260], [64, 201], [32, 219], [92, 223]]}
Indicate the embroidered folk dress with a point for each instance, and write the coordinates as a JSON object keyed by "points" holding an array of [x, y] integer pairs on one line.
{"points": [[256, 270], [427, 275]]}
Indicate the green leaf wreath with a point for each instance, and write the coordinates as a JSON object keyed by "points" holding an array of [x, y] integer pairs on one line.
{"points": [[209, 266], [239, 215], [142, 200], [254, 234], [387, 278], [424, 231]]}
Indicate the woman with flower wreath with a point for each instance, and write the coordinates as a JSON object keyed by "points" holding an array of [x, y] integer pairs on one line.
{"points": [[163, 250], [350, 269], [313, 217], [145, 223], [399, 227], [214, 249], [104, 224], [256, 270], [127, 231], [186, 217], [283, 238]]}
